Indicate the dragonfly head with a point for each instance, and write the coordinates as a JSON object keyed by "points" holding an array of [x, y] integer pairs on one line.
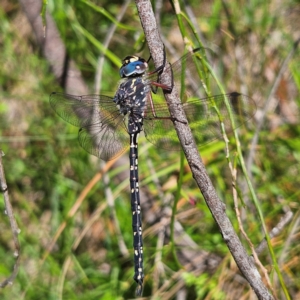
{"points": [[133, 66]]}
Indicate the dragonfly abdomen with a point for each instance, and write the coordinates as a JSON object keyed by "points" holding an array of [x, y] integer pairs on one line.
{"points": [[136, 213]]}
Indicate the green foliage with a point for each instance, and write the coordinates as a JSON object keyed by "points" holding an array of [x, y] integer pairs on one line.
{"points": [[47, 171], [203, 285]]}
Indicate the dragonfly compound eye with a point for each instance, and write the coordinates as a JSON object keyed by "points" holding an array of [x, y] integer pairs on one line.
{"points": [[133, 66]]}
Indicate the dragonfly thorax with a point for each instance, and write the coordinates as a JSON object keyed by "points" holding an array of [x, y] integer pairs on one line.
{"points": [[131, 99]]}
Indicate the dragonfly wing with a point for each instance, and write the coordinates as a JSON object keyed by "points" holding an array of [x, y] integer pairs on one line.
{"points": [[81, 111], [162, 134], [206, 115], [158, 126], [104, 141], [103, 132]]}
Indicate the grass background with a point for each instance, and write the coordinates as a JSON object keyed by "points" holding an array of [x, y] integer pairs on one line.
{"points": [[46, 170]]}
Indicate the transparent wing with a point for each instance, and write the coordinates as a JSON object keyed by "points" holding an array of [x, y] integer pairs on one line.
{"points": [[103, 141], [81, 111], [103, 132], [193, 80], [204, 116]]}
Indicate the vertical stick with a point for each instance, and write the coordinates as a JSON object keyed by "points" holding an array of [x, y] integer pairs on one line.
{"points": [[216, 206]]}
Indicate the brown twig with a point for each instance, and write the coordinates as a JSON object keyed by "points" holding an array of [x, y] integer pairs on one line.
{"points": [[13, 225], [216, 206], [275, 231], [54, 49]]}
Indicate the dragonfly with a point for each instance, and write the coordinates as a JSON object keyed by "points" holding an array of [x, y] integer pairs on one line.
{"points": [[110, 125]]}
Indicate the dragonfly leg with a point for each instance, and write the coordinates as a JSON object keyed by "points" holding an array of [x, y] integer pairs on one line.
{"points": [[173, 119], [159, 71], [160, 68]]}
